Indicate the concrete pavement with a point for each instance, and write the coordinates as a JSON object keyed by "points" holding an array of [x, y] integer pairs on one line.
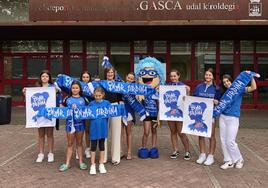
{"points": [[19, 151]]}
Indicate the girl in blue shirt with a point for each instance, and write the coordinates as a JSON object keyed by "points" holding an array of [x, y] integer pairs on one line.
{"points": [[176, 126], [208, 89], [229, 124], [98, 132], [74, 128], [45, 80]]}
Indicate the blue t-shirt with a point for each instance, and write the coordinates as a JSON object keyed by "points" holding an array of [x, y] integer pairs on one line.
{"points": [[79, 102], [99, 127], [233, 109], [207, 91]]}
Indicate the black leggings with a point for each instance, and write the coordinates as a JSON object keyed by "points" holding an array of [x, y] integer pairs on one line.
{"points": [[94, 145]]}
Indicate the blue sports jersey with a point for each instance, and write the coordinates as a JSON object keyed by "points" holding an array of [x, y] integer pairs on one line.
{"points": [[78, 124], [150, 106], [207, 91], [99, 127]]}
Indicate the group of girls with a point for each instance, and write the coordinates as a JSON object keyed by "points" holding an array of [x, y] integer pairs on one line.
{"points": [[97, 132]]}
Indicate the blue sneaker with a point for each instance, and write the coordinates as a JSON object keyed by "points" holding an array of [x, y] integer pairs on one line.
{"points": [[154, 153], [143, 153]]}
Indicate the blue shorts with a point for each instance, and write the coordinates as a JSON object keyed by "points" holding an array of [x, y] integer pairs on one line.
{"points": [[77, 126]]}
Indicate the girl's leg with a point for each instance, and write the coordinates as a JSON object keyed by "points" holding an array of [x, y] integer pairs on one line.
{"points": [[41, 139], [79, 140], [202, 157], [183, 137], [93, 157], [154, 136], [212, 147], [122, 140], [116, 139], [223, 136], [93, 151], [129, 139], [101, 147], [232, 147], [101, 166], [87, 149], [146, 132], [50, 138], [173, 135], [212, 141], [70, 142]]}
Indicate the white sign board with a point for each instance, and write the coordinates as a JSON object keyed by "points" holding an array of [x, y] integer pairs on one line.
{"points": [[37, 98], [197, 116]]}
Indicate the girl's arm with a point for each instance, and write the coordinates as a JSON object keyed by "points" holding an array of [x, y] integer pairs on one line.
{"points": [[252, 87]]}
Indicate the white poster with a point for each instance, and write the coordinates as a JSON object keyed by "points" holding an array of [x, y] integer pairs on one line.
{"points": [[197, 116], [37, 98], [171, 102]]}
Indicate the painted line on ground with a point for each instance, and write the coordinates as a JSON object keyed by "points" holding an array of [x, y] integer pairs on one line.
{"points": [[16, 155], [212, 178]]}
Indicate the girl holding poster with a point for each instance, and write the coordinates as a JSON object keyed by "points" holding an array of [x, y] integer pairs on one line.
{"points": [[45, 80], [208, 89], [229, 124], [74, 128], [176, 126], [98, 132]]}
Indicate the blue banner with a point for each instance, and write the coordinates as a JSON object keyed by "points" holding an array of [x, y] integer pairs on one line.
{"points": [[238, 87]]}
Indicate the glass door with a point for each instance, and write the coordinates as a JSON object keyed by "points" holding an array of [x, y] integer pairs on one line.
{"points": [[262, 91]]}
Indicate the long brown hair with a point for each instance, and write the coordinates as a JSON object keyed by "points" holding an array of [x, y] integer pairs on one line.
{"points": [[107, 70], [227, 76], [39, 82], [211, 70], [85, 72]]}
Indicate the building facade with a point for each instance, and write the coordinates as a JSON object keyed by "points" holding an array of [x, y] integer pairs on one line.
{"points": [[190, 35]]}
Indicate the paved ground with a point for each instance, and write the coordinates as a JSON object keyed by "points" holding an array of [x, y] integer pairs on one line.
{"points": [[18, 168]]}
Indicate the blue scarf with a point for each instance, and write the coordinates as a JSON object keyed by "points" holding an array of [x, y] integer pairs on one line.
{"points": [[88, 112], [238, 87], [64, 82]]}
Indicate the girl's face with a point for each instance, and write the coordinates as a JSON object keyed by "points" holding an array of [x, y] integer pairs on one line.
{"points": [[174, 77], [226, 82], [75, 89], [98, 96], [208, 77], [110, 75], [130, 78], [44, 78], [85, 77]]}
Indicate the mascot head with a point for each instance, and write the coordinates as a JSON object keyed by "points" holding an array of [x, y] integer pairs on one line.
{"points": [[150, 72]]}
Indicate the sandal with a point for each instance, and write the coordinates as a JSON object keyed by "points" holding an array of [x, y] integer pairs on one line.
{"points": [[63, 167], [83, 166], [129, 157]]}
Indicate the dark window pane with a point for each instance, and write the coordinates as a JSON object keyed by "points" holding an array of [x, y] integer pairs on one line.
{"points": [[13, 67], [35, 65]]}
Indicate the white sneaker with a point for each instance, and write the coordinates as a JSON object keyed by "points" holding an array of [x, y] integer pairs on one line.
{"points": [[239, 164], [227, 165], [92, 170], [40, 158], [76, 155], [102, 169], [201, 159], [209, 161], [50, 157], [87, 153]]}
